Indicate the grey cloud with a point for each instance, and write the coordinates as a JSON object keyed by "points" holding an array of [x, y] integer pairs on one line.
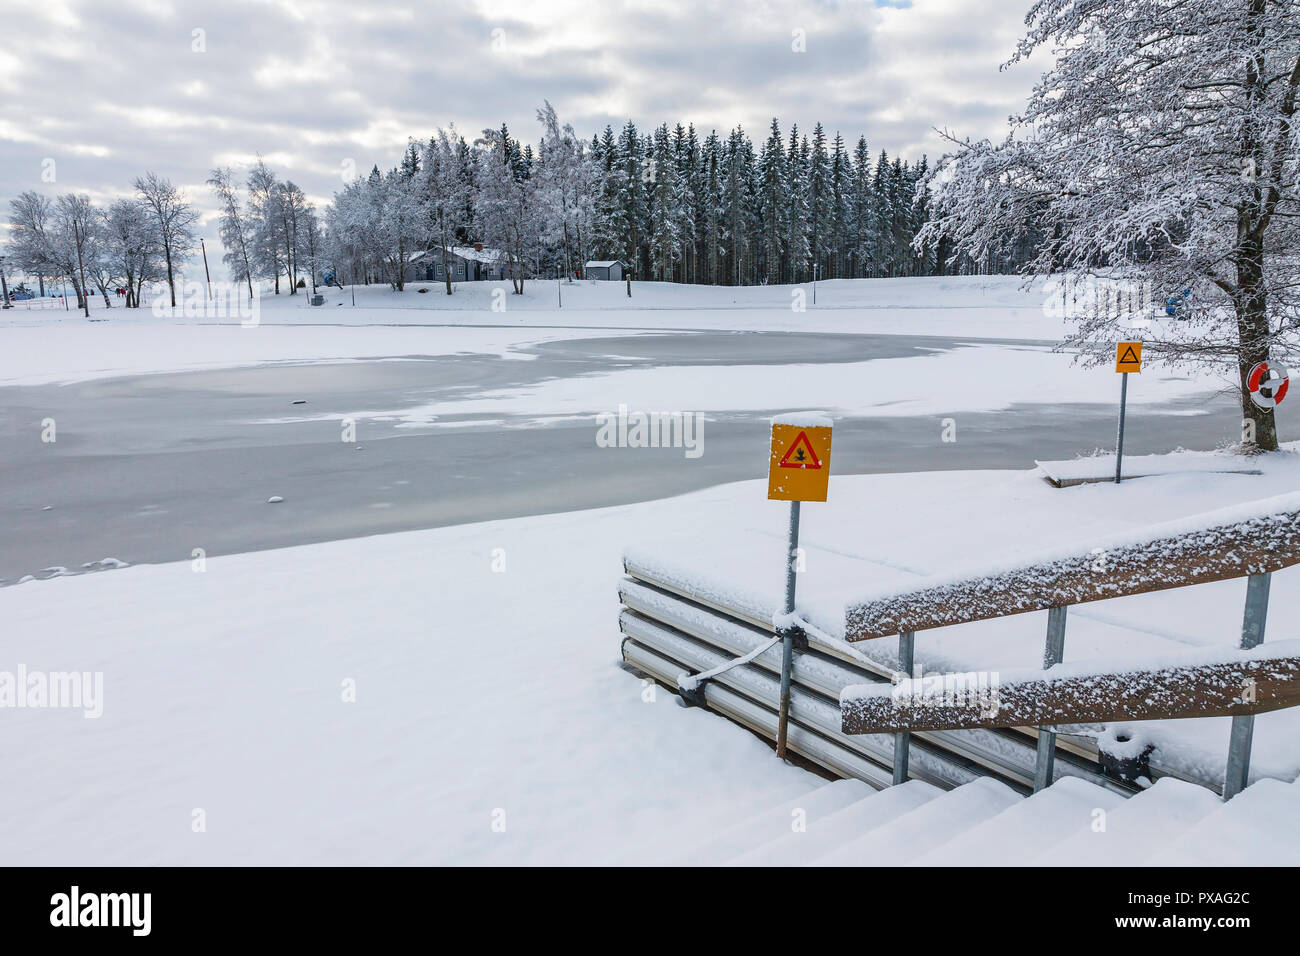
{"points": [[358, 79]]}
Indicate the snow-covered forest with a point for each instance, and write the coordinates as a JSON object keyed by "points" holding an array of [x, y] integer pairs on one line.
{"points": [[674, 205], [671, 204]]}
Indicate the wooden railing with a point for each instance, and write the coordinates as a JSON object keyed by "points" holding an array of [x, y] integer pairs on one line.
{"points": [[1249, 541], [1244, 682]]}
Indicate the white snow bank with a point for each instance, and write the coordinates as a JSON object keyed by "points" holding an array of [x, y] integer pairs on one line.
{"points": [[803, 419], [1102, 467]]}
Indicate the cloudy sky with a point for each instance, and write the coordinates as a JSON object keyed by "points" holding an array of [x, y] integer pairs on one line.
{"points": [[95, 92]]}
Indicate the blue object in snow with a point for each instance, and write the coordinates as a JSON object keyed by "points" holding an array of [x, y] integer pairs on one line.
{"points": [[1173, 302]]}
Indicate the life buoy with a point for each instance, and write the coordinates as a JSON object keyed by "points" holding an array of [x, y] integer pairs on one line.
{"points": [[1267, 384]]}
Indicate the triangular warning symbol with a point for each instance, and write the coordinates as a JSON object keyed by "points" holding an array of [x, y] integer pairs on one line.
{"points": [[1129, 357], [800, 454]]}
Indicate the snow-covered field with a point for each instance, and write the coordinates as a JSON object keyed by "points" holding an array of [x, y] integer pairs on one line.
{"points": [[487, 687], [40, 342], [455, 695]]}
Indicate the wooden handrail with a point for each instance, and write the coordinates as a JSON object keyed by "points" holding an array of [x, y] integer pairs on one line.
{"points": [[1234, 542], [1234, 683]]}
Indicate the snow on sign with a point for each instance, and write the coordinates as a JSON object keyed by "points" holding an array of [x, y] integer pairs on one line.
{"points": [[1128, 357], [800, 465]]}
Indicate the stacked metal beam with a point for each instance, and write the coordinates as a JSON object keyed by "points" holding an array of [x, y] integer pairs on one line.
{"points": [[669, 633]]}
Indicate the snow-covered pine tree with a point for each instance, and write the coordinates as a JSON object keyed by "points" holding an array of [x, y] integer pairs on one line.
{"points": [[840, 207], [861, 211], [774, 203], [797, 213], [711, 230], [635, 187], [609, 218], [820, 201], [665, 208]]}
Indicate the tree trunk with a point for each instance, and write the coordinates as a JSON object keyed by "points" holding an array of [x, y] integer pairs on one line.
{"points": [[171, 281], [1253, 339], [446, 269], [288, 264]]}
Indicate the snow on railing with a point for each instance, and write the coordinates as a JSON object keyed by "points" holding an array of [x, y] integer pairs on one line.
{"points": [[1208, 682], [1251, 540], [1244, 540]]}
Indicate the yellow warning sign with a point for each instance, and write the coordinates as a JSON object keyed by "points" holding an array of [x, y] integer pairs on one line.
{"points": [[800, 466], [1128, 357]]}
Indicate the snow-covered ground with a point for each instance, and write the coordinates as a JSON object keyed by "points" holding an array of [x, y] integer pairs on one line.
{"points": [[42, 342], [492, 722], [487, 688]]}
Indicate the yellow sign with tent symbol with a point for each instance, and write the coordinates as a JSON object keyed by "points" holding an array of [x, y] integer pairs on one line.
{"points": [[799, 468], [1128, 357]]}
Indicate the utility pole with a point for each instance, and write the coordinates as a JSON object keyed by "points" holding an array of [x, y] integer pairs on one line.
{"points": [[206, 273]]}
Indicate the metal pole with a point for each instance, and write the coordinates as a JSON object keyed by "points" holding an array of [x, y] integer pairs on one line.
{"points": [[1119, 439], [1243, 728], [207, 274], [903, 741], [558, 294], [1053, 653], [787, 642]]}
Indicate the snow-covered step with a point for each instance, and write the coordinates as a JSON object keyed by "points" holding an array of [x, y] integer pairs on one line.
{"points": [[1258, 827], [836, 829], [1019, 834], [1138, 828], [656, 844], [931, 825], [774, 822]]}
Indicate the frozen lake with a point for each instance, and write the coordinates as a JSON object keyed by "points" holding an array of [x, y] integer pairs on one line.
{"points": [[148, 468]]}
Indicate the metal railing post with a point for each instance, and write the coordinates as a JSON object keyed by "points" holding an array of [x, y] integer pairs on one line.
{"points": [[903, 741], [787, 643], [1243, 728], [1053, 653]]}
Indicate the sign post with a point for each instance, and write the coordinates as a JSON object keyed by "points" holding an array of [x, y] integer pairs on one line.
{"points": [[1128, 358], [798, 470]]}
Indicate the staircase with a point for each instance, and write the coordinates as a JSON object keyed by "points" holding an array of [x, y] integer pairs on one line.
{"points": [[985, 822]]}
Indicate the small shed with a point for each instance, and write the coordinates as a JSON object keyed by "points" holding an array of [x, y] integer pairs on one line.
{"points": [[612, 269]]}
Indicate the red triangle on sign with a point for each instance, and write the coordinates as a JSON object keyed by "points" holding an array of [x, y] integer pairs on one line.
{"points": [[800, 454]]}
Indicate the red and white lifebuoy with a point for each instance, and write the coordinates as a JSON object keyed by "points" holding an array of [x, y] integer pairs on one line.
{"points": [[1267, 383]]}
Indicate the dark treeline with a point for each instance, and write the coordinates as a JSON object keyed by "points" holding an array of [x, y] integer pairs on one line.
{"points": [[672, 205]]}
